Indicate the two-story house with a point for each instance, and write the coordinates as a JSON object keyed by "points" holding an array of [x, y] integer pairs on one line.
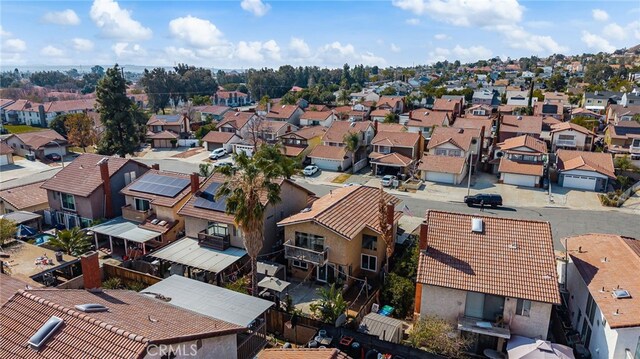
{"points": [[355, 112], [165, 130], [482, 123], [88, 189], [317, 118], [570, 136], [233, 127], [486, 97], [263, 131], [599, 100], [557, 98], [479, 111], [618, 114], [332, 153], [521, 161], [425, 120], [283, 113], [451, 150], [395, 152], [550, 109], [488, 276], [212, 113], [601, 277], [231, 98], [630, 98], [394, 104], [590, 171], [379, 115], [300, 143], [583, 112], [320, 244], [453, 107], [514, 126]]}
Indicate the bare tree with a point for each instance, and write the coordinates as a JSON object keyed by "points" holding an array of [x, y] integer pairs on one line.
{"points": [[386, 228]]}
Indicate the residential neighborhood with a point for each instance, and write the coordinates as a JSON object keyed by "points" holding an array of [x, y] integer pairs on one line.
{"points": [[169, 190]]}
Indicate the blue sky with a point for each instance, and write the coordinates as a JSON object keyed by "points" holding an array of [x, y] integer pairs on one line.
{"points": [[256, 33]]}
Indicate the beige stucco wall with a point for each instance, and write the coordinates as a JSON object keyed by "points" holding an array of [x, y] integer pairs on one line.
{"points": [[535, 325]]}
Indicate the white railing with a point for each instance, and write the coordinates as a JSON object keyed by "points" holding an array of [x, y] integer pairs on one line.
{"points": [[566, 143]]}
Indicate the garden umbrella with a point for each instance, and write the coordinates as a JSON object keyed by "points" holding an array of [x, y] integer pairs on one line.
{"points": [[528, 348]]}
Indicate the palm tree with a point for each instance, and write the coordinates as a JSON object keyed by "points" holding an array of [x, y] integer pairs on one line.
{"points": [[344, 97], [330, 305], [249, 186], [72, 241], [275, 156], [352, 143]]}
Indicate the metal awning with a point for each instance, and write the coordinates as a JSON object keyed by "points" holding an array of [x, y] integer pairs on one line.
{"points": [[188, 252], [273, 283], [20, 217], [121, 228]]}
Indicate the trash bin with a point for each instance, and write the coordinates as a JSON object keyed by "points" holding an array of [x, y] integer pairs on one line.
{"points": [[59, 256]]}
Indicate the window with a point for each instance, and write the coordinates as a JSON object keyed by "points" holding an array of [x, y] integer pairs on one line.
{"points": [[523, 307], [566, 137], [218, 229], [85, 222], [441, 152], [591, 308], [300, 264], [384, 149], [369, 242], [310, 241], [68, 201], [368, 262], [587, 140], [141, 204]]}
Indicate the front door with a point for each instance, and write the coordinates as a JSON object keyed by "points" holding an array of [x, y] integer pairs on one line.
{"points": [[326, 273]]}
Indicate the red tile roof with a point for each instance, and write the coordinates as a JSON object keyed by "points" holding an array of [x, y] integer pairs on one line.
{"points": [[164, 135], [390, 101], [521, 124], [586, 161], [292, 151], [563, 126], [442, 104], [39, 139], [282, 112], [475, 122], [310, 132], [390, 159], [5, 149], [72, 105], [538, 146], [316, 115], [460, 137], [338, 129], [619, 270], [427, 118], [9, 286], [444, 164], [511, 257], [235, 119], [25, 196], [345, 211], [218, 137], [380, 113], [215, 110], [523, 168], [396, 139], [302, 353], [329, 152], [391, 127]]}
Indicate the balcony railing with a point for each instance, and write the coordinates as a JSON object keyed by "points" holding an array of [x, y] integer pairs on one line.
{"points": [[480, 326], [128, 212], [291, 251], [213, 241]]}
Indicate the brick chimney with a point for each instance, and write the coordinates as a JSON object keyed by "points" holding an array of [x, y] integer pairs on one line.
{"points": [[375, 127], [156, 166], [106, 185], [390, 214], [91, 270], [424, 228], [195, 182]]}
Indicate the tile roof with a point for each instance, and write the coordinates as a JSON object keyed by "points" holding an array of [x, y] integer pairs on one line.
{"points": [[317, 107], [460, 137], [19, 105], [292, 151], [444, 164], [441, 104], [271, 126], [545, 108], [282, 112], [72, 105], [523, 168], [389, 101], [345, 210], [235, 119], [396, 139], [586, 161], [511, 257], [164, 120], [563, 126], [229, 94], [475, 122], [82, 176], [380, 113], [581, 110], [157, 199], [25, 196], [218, 137], [521, 124], [310, 132], [215, 110], [190, 210], [391, 127], [302, 353], [316, 115], [5, 149], [531, 142], [338, 129], [620, 269], [423, 117], [9, 286], [330, 152], [163, 135], [392, 158], [38, 139]]}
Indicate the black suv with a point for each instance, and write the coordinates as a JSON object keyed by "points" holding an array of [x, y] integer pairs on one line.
{"points": [[493, 200]]}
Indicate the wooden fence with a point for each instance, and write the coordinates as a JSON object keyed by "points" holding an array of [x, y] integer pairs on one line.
{"points": [[129, 276], [305, 329]]}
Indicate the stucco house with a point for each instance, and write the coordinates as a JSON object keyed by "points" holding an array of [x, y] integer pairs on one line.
{"points": [[590, 171], [332, 154], [301, 142], [424, 120], [450, 150], [395, 151], [38, 143], [6, 154], [514, 126], [521, 161], [231, 98], [487, 276], [570, 136], [317, 118]]}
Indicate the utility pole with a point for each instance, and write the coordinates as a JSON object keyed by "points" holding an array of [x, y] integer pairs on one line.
{"points": [[470, 168]]}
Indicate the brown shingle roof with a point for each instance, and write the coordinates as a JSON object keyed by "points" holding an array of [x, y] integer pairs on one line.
{"points": [[302, 353], [524, 141], [338, 129], [330, 152], [511, 257], [460, 137], [38, 139], [25, 196], [345, 211], [523, 168], [157, 199], [621, 269], [587, 161], [444, 164], [393, 139], [392, 158], [218, 137], [521, 124], [5, 149], [82, 176]]}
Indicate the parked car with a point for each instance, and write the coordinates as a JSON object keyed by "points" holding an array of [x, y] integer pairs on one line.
{"points": [[387, 180], [310, 170], [222, 163], [493, 200], [53, 157], [217, 153]]}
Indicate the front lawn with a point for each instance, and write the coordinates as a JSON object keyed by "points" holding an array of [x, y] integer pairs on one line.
{"points": [[341, 178], [22, 128]]}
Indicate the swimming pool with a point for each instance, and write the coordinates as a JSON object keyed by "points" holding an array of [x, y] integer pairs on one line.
{"points": [[43, 238]]}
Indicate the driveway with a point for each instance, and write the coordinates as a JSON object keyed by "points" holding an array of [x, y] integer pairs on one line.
{"points": [[23, 168]]}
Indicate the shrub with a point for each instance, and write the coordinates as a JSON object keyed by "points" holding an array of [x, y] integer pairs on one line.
{"points": [[112, 283], [137, 286]]}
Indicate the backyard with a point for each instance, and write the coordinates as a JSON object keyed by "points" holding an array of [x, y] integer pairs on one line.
{"points": [[22, 128]]}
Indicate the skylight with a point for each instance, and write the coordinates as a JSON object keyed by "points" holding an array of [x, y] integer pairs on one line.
{"points": [[621, 294], [91, 308], [45, 331]]}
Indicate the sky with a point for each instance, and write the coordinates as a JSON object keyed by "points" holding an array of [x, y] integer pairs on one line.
{"points": [[266, 33]]}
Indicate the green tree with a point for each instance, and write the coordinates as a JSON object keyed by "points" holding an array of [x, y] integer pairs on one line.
{"points": [[199, 100], [584, 121], [8, 230], [624, 163], [399, 292], [436, 336], [390, 118], [388, 91], [72, 241], [344, 97], [124, 123], [204, 129], [159, 84], [556, 82], [249, 186], [274, 155], [58, 124], [205, 169], [80, 130], [352, 143], [330, 305]]}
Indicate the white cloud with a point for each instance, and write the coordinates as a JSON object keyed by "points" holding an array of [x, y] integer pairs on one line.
{"points": [[125, 50], [441, 37], [4, 33], [596, 42], [469, 54], [413, 21], [272, 50], [394, 48], [465, 12], [614, 32], [52, 51], [299, 48], [256, 7], [518, 38], [116, 22], [634, 28], [600, 15], [82, 44], [249, 51], [64, 17], [14, 46], [196, 32], [539, 24], [369, 58], [336, 53]]}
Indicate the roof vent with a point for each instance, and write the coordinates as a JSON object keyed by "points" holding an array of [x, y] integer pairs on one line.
{"points": [[45, 331], [477, 226], [91, 308], [305, 210], [513, 245], [461, 130], [621, 294], [519, 118], [352, 124]]}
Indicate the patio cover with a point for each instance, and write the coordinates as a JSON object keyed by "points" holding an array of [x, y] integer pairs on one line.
{"points": [[528, 348], [273, 283], [20, 217], [211, 300], [188, 252], [121, 228]]}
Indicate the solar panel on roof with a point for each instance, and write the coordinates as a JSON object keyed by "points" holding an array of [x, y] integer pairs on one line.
{"points": [[207, 199], [165, 186]]}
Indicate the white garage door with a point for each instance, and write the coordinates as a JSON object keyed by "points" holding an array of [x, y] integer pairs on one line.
{"points": [[519, 180], [580, 182], [4, 160], [326, 164], [441, 177]]}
